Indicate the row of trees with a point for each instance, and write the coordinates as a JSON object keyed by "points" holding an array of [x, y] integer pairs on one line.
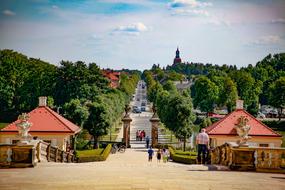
{"points": [[78, 90], [174, 108]]}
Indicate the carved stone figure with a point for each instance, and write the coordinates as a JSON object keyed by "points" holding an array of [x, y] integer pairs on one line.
{"points": [[24, 127], [242, 130], [127, 110]]}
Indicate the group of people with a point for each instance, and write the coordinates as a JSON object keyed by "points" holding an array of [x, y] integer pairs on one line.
{"points": [[160, 154], [140, 135], [202, 141]]}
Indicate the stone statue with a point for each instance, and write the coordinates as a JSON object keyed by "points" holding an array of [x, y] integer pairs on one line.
{"points": [[127, 110], [242, 130], [24, 127], [153, 109]]}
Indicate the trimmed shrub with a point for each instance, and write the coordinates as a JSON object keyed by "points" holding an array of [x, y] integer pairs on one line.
{"points": [[182, 157], [94, 155]]}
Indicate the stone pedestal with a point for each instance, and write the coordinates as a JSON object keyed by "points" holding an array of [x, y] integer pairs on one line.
{"points": [[126, 126], [154, 129]]}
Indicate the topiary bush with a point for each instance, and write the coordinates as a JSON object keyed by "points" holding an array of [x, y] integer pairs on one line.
{"points": [[94, 155], [182, 157]]}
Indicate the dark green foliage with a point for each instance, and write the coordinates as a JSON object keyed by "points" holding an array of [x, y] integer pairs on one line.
{"points": [[22, 81], [206, 94], [277, 94], [275, 125]]}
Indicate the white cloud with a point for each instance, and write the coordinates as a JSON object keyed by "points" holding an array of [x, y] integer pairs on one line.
{"points": [[189, 7], [8, 12], [278, 21], [132, 29], [55, 7], [267, 40], [193, 12], [188, 3], [218, 21]]}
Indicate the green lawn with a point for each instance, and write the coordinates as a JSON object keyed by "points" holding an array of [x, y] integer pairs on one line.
{"points": [[2, 125], [87, 153]]}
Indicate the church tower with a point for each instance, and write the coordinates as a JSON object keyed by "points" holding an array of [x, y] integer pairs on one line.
{"points": [[177, 58]]}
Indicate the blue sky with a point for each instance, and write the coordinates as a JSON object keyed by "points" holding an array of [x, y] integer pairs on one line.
{"points": [[136, 34]]}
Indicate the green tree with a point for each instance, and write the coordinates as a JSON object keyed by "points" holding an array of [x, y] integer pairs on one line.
{"points": [[76, 111], [98, 121], [179, 117], [206, 94], [277, 95], [248, 90], [170, 87]]}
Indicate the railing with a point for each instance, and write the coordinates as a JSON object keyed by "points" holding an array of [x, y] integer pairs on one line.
{"points": [[249, 158], [53, 154]]}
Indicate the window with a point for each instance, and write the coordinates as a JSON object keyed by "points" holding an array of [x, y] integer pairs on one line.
{"points": [[263, 145]]}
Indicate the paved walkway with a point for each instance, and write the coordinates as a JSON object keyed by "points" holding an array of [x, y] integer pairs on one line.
{"points": [[131, 170]]}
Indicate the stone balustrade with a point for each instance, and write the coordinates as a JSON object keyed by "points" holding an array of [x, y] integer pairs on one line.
{"points": [[13, 155], [265, 159]]}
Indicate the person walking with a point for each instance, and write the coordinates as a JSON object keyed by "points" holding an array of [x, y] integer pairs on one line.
{"points": [[164, 155], [147, 141], [158, 155], [143, 134], [202, 140], [150, 154]]}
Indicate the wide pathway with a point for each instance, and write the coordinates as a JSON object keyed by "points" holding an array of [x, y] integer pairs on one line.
{"points": [[131, 170]]}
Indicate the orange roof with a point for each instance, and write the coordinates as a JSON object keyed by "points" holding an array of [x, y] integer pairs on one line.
{"points": [[226, 125], [45, 120]]}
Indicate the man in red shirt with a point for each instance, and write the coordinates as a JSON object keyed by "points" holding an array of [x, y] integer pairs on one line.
{"points": [[202, 140]]}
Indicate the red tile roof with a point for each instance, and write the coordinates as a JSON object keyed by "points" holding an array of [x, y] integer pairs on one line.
{"points": [[226, 125], [45, 120]]}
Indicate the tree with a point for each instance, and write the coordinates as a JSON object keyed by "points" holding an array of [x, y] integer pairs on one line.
{"points": [[277, 95], [76, 111], [98, 121], [248, 90], [206, 94], [153, 91], [227, 92], [179, 117], [170, 87]]}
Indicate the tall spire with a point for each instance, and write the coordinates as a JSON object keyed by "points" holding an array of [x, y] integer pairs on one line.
{"points": [[177, 53], [177, 58]]}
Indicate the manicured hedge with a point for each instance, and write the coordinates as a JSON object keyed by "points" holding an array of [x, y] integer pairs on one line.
{"points": [[182, 157], [87, 156]]}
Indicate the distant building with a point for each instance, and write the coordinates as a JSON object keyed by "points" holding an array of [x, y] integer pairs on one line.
{"points": [[224, 130], [113, 77], [47, 125], [177, 58]]}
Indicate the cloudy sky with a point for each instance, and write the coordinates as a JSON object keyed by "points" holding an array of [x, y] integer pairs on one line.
{"points": [[136, 34]]}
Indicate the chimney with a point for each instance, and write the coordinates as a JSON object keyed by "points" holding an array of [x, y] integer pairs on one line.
{"points": [[42, 101], [239, 104]]}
